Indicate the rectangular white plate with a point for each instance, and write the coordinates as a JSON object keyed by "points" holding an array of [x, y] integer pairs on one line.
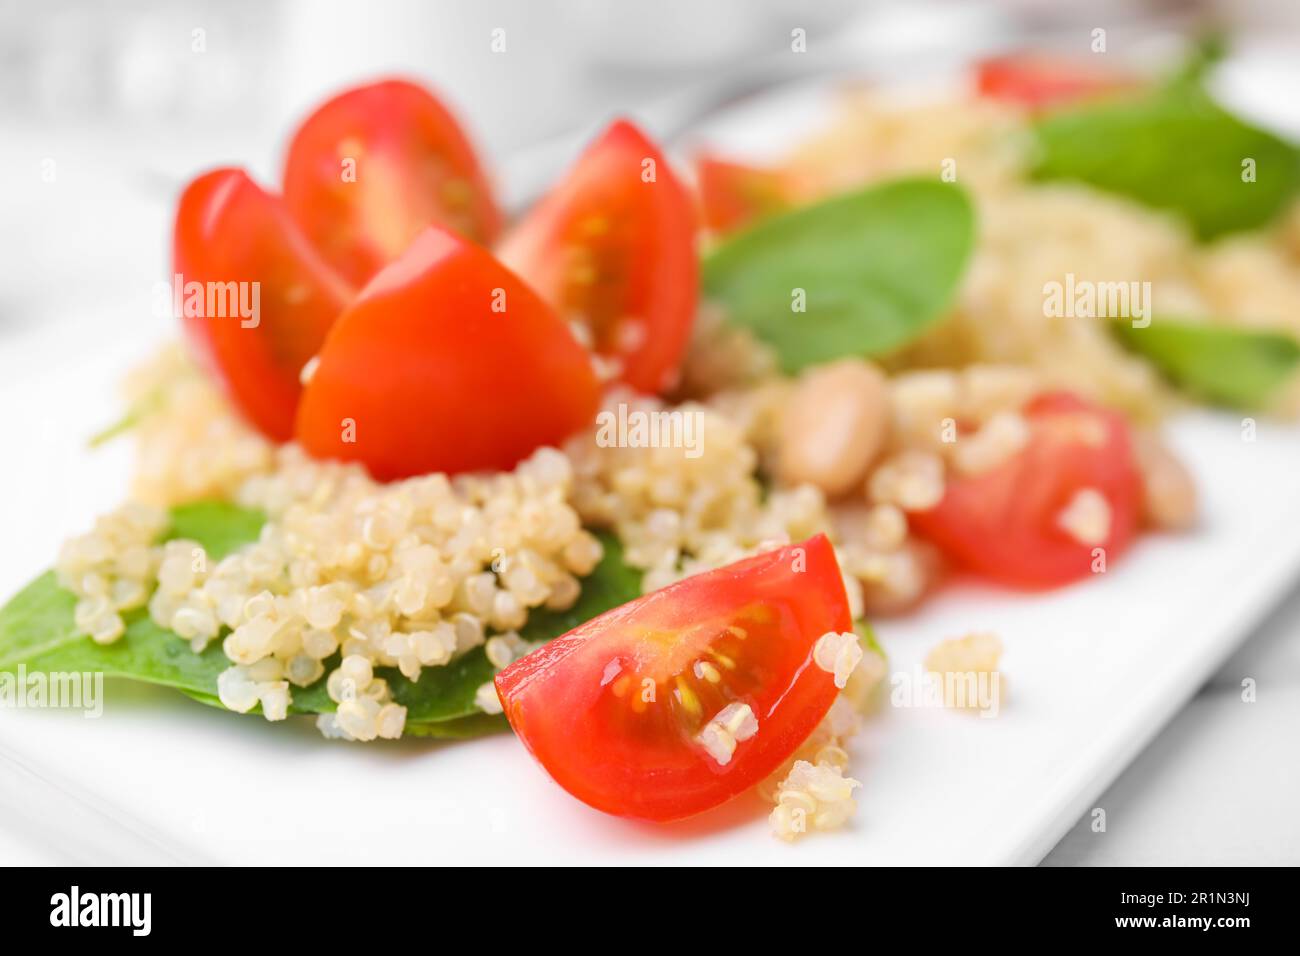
{"points": [[1093, 672]]}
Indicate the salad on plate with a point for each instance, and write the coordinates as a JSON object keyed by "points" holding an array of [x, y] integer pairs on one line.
{"points": [[630, 473]]}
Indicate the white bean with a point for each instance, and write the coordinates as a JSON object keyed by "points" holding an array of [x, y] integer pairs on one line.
{"points": [[834, 426], [1168, 491]]}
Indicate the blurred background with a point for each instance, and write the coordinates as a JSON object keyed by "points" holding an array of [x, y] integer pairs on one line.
{"points": [[107, 109]]}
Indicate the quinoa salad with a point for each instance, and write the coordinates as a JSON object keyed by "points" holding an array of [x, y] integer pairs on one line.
{"points": [[631, 473]]}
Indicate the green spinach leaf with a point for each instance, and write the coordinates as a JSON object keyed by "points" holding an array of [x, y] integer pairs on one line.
{"points": [[867, 635], [1240, 368], [37, 632], [461, 728], [874, 268], [1173, 148], [1206, 52], [217, 526]]}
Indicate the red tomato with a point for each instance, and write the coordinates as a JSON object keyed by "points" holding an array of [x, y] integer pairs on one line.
{"points": [[735, 194], [228, 230], [613, 246], [1005, 523], [1040, 81], [372, 167], [446, 362], [614, 709]]}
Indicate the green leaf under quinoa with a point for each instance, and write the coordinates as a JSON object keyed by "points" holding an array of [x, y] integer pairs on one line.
{"points": [[1172, 148], [1205, 53], [867, 635], [219, 527], [876, 268], [455, 728], [1240, 368], [37, 632], [37, 629], [462, 728], [134, 415]]}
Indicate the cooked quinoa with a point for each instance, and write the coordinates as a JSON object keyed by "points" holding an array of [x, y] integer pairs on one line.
{"points": [[414, 573], [1032, 233], [811, 790], [962, 662], [407, 575]]}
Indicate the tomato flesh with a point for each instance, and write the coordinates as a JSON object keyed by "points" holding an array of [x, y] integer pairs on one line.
{"points": [[228, 230], [734, 194], [1039, 82], [1005, 523], [445, 362], [613, 247], [613, 710], [368, 170]]}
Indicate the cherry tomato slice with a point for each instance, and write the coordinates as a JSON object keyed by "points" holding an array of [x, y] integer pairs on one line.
{"points": [[736, 194], [446, 362], [234, 240], [613, 246], [1007, 523], [1039, 82], [614, 709], [372, 167]]}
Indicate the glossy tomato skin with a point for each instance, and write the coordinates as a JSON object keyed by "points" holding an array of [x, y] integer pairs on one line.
{"points": [[606, 708], [617, 252], [1003, 523], [368, 170], [1039, 82], [229, 230], [446, 362], [733, 195]]}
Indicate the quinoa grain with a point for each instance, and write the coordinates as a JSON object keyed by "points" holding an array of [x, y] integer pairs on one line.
{"points": [[963, 663], [911, 480]]}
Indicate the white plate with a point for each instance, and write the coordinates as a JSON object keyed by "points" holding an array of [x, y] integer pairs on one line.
{"points": [[1093, 671]]}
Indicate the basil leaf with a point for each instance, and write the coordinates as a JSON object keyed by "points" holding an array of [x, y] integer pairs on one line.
{"points": [[38, 633], [1176, 149], [876, 267], [1228, 366]]}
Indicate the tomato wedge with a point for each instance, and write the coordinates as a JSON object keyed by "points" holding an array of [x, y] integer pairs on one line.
{"points": [[615, 709], [446, 362], [1011, 523], [735, 194], [372, 167], [613, 246], [233, 241], [1039, 82]]}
